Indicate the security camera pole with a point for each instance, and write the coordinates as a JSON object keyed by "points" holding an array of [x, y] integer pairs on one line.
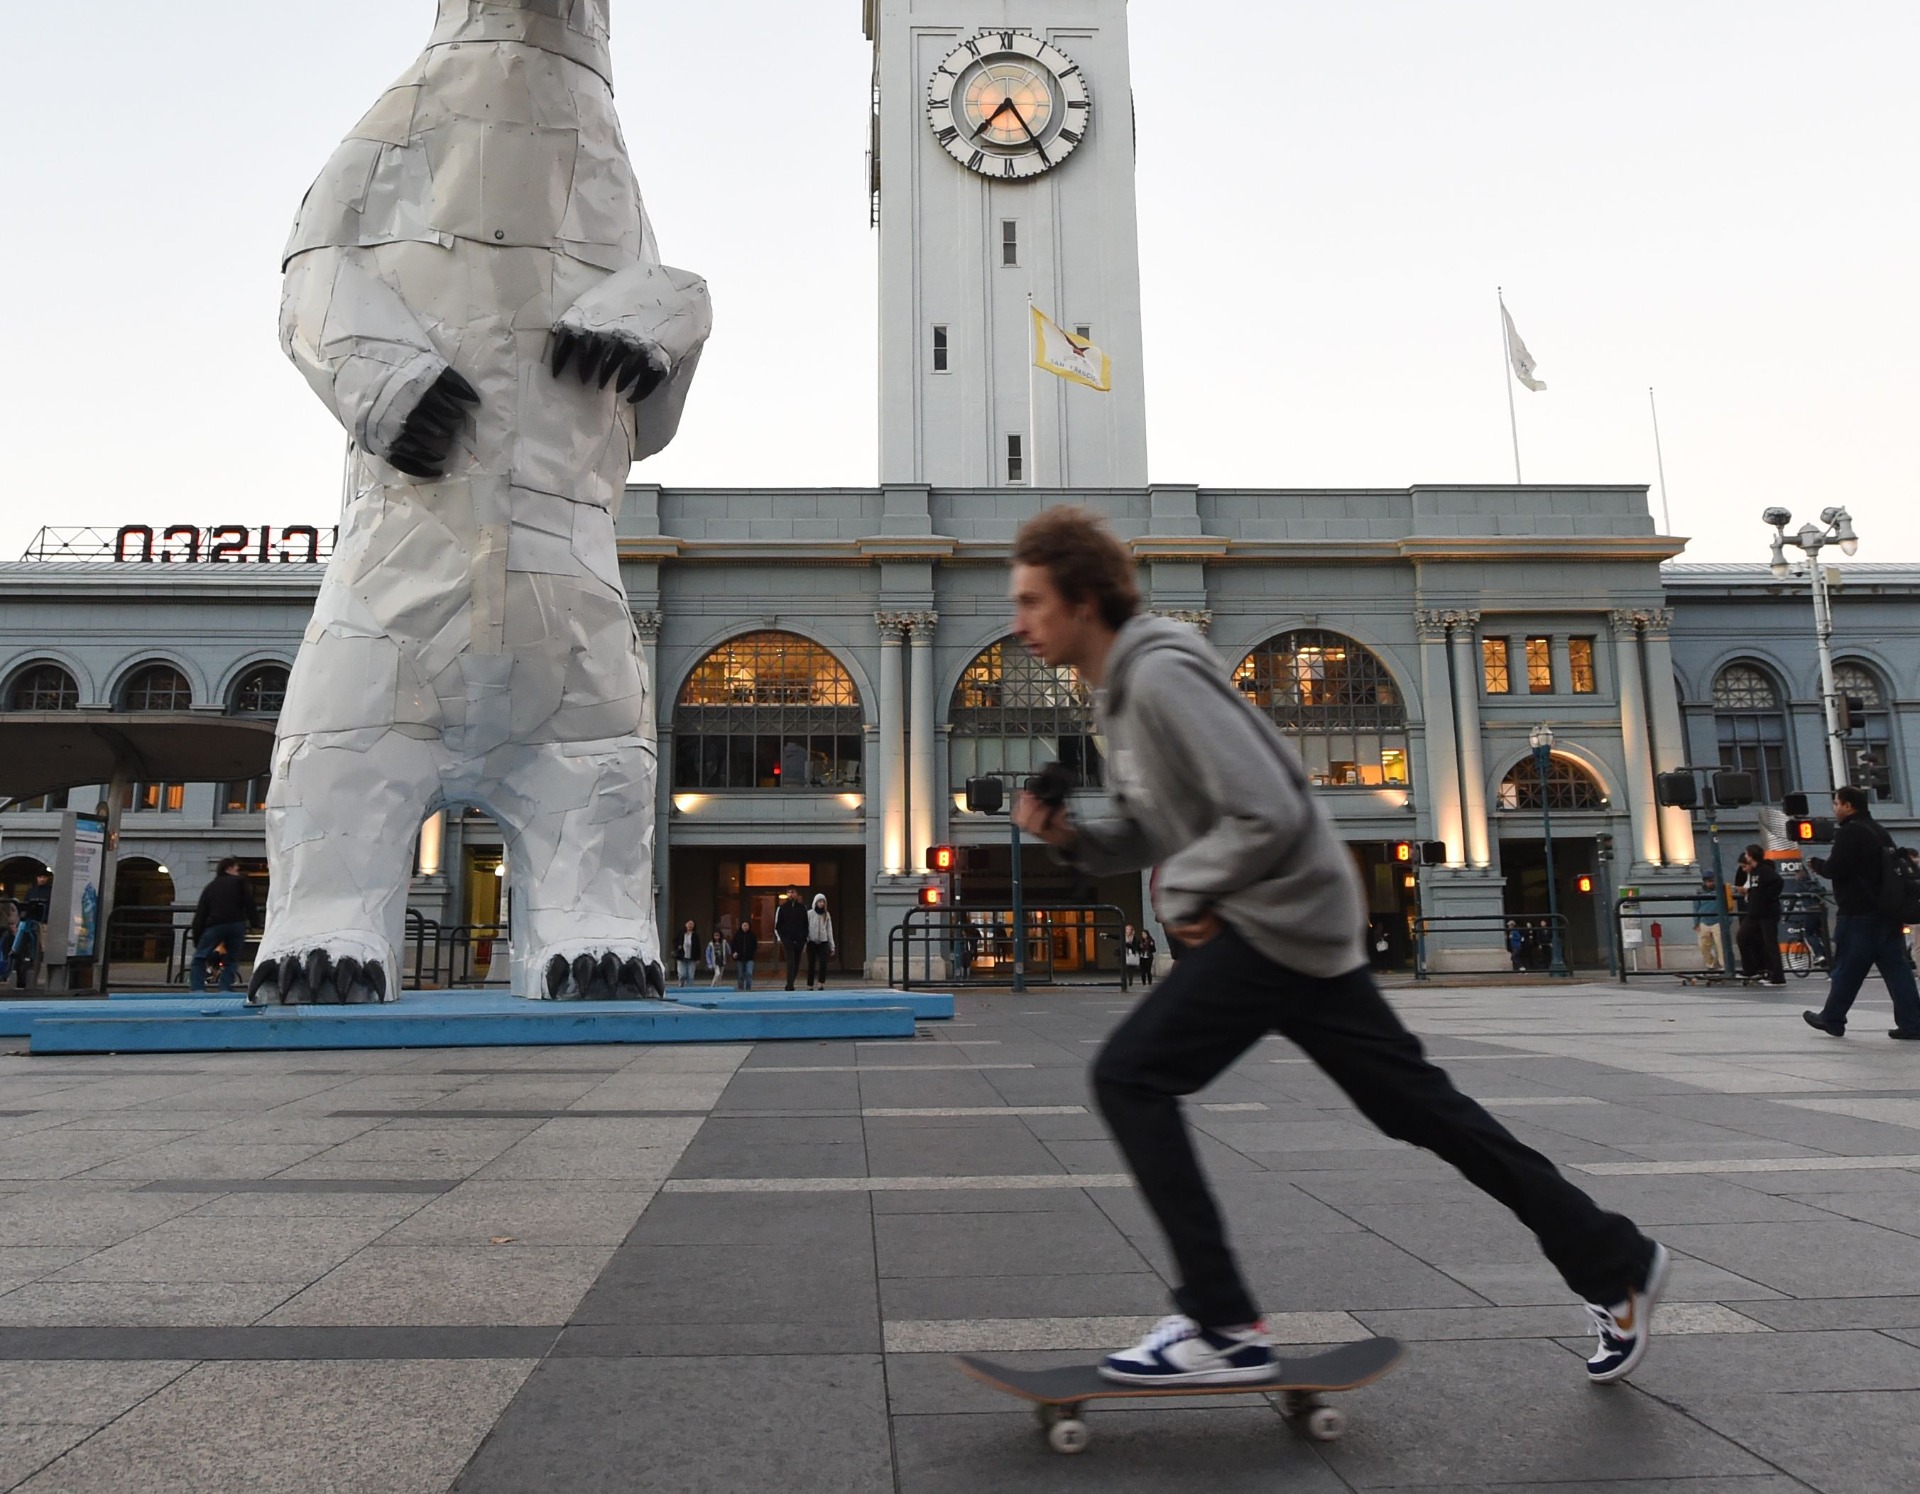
{"points": [[1811, 540]]}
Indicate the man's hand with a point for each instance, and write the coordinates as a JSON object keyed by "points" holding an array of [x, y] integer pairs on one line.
{"points": [[1197, 931], [1048, 822]]}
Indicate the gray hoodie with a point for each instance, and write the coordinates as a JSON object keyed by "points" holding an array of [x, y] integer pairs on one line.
{"points": [[1206, 789]]}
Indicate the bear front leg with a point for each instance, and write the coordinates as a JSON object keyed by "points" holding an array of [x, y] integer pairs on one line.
{"points": [[579, 817], [340, 825]]}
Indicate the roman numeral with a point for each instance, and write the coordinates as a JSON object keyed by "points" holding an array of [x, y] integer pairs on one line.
{"points": [[973, 47], [973, 161], [1076, 103], [1006, 40], [1072, 71], [948, 135], [1071, 137], [1007, 168]]}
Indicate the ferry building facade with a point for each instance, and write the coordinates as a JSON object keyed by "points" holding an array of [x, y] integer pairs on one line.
{"points": [[831, 665]]}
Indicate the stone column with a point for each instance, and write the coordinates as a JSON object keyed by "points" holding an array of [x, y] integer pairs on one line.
{"points": [[1466, 709], [924, 735], [1442, 753], [433, 843], [1636, 747], [1669, 735], [648, 626], [893, 744]]}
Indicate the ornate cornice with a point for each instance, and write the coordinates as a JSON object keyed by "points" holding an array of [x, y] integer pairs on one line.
{"points": [[894, 626], [923, 624], [647, 624], [1432, 624], [1193, 617], [1626, 621]]}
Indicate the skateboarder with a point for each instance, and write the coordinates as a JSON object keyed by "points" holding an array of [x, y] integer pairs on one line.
{"points": [[1266, 906]]}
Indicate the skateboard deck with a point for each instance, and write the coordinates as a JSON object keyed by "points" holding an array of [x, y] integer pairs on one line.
{"points": [[1721, 980], [1058, 1394]]}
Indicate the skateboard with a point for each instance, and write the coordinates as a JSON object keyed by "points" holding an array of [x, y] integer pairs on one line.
{"points": [[1716, 978], [1295, 1386]]}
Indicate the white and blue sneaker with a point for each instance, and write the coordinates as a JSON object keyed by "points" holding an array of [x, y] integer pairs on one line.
{"points": [[1624, 1327], [1178, 1351]]}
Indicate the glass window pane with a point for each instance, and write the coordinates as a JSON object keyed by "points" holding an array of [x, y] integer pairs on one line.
{"points": [[1335, 700], [1493, 662], [1580, 660], [752, 698], [1540, 666]]}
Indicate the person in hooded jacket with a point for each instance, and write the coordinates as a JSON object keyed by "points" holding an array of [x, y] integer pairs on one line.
{"points": [[1864, 937], [1268, 914], [1758, 936], [820, 945]]}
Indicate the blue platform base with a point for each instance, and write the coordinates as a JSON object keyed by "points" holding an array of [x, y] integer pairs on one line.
{"points": [[162, 1022]]}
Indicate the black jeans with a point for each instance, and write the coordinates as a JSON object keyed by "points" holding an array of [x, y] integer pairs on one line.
{"points": [[817, 954], [793, 950], [1222, 998], [1759, 942], [1861, 942]]}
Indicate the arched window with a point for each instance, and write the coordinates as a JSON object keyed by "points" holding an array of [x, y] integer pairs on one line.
{"points": [[1013, 714], [262, 691], [767, 710], [1870, 746], [1752, 727], [156, 687], [1571, 786], [43, 687], [1336, 701]]}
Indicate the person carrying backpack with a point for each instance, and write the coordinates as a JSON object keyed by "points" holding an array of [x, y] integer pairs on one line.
{"points": [[1875, 895]]}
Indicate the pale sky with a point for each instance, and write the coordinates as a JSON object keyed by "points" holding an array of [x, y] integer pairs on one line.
{"points": [[1713, 197]]}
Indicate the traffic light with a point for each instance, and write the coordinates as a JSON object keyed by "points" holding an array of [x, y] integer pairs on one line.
{"points": [[1433, 853], [1733, 790], [1795, 804], [1403, 853], [1676, 790], [942, 859], [933, 897], [1583, 884], [1604, 843], [985, 795], [1852, 708], [1810, 832]]}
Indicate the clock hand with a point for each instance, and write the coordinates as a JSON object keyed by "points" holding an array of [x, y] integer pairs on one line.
{"points": [[1030, 135], [981, 128]]}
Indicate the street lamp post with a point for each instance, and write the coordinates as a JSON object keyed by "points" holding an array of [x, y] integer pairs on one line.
{"points": [[1542, 740], [1811, 540]]}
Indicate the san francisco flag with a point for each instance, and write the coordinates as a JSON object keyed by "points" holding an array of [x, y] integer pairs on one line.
{"points": [[1072, 358]]}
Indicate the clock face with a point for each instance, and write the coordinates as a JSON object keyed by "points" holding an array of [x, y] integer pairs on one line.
{"points": [[1009, 105]]}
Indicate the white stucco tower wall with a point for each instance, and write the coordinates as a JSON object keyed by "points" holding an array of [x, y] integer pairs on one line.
{"points": [[941, 263]]}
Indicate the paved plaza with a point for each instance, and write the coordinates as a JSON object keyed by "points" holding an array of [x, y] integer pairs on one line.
{"points": [[744, 1268]]}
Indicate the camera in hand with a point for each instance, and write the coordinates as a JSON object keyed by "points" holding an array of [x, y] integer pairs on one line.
{"points": [[1051, 785]]}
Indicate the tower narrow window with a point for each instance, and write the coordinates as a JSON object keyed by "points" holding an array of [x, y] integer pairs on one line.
{"points": [[1580, 662], [939, 349], [1084, 331], [1009, 242], [1016, 459], [1493, 660]]}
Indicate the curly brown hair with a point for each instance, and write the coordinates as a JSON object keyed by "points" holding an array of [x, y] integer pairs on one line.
{"points": [[1085, 559]]}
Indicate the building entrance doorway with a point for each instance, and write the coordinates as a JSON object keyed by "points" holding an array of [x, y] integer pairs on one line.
{"points": [[1576, 865], [1391, 904], [721, 888]]}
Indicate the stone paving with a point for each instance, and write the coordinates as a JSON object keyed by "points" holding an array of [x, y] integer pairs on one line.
{"points": [[720, 1269]]}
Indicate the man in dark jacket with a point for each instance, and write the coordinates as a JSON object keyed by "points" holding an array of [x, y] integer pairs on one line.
{"points": [[790, 928], [1864, 938], [225, 913], [1759, 933]]}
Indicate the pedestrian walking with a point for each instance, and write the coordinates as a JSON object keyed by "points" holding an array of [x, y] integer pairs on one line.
{"points": [[1129, 957], [1148, 950], [1269, 914], [716, 957], [1516, 945], [686, 951], [9, 927], [1706, 923], [1867, 925], [790, 929], [221, 918], [1758, 935], [746, 945], [820, 945]]}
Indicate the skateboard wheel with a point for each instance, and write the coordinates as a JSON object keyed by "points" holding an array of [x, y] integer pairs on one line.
{"points": [[1325, 1423], [1068, 1436]]}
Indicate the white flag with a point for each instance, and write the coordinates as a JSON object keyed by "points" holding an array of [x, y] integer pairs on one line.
{"points": [[1518, 355], [1072, 358]]}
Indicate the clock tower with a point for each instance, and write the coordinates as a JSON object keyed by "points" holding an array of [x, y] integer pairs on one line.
{"points": [[1003, 170]]}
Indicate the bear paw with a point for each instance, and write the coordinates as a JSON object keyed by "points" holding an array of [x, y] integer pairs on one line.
{"points": [[317, 979], [605, 977]]}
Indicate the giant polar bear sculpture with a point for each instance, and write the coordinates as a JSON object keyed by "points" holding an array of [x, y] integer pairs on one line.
{"points": [[474, 290]]}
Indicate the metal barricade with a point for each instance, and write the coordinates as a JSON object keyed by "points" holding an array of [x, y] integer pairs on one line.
{"points": [[1544, 938], [976, 945], [1630, 939]]}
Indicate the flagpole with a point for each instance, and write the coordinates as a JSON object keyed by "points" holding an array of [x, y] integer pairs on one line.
{"points": [[1659, 461], [1506, 359], [1033, 419]]}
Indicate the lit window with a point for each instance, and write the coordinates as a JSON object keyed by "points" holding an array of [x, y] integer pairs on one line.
{"points": [[38, 804], [1570, 786], [249, 797], [768, 710], [1016, 460], [1580, 662], [1493, 664], [1337, 703], [1012, 714], [142, 797], [1540, 666], [1009, 242], [939, 349]]}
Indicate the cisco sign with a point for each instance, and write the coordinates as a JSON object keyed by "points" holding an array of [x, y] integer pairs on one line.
{"points": [[223, 544]]}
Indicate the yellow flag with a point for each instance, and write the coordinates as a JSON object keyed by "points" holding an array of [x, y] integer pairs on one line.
{"points": [[1073, 358]]}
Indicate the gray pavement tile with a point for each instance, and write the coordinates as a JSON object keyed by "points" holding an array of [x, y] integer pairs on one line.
{"points": [[209, 1159], [600, 1162], [1329, 1135], [397, 1151], [828, 1222], [1658, 1201], [46, 1304], [1827, 1259], [1894, 1209], [740, 1284], [80, 1394], [1530, 1280], [296, 1250], [1812, 1361], [1836, 1443], [1343, 1272], [1420, 1324], [273, 1427], [187, 1346], [721, 1158], [418, 1284], [1215, 1446], [20, 1264], [949, 1088], [317, 1187], [986, 1200], [1001, 1148], [954, 1296], [1062, 1241], [1759, 1483], [1796, 1314], [750, 1091], [796, 1341], [330, 1204], [64, 1153], [1529, 1415], [705, 1426], [476, 1213], [27, 1448]]}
